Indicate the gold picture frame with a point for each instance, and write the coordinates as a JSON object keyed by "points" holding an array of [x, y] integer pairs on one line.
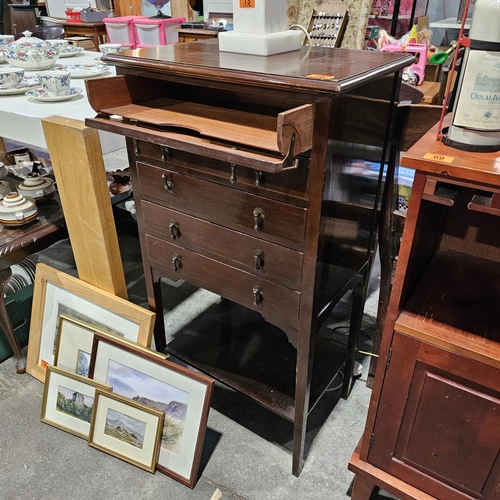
{"points": [[68, 401], [126, 429], [182, 394], [74, 345], [57, 293]]}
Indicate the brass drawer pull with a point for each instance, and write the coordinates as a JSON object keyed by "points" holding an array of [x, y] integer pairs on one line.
{"points": [[258, 257], [258, 295], [233, 178], [177, 262], [174, 229], [258, 178], [258, 217], [165, 154], [169, 184], [137, 151]]}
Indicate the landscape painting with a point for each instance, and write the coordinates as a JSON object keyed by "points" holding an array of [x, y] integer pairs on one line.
{"points": [[73, 403], [71, 313], [156, 394], [125, 428]]}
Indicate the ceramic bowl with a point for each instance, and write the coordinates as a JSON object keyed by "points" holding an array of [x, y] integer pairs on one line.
{"points": [[4, 189], [36, 187], [31, 53], [16, 210]]}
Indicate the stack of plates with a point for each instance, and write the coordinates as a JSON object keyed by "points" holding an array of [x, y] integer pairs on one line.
{"points": [[23, 274]]}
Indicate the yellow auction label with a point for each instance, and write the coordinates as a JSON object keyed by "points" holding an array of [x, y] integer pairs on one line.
{"points": [[438, 157], [247, 4]]}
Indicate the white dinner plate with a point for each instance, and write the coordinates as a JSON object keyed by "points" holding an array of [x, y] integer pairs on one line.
{"points": [[18, 270], [43, 95], [28, 82], [82, 70], [71, 51]]}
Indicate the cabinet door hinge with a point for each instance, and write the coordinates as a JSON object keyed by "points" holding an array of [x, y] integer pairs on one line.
{"points": [[372, 438], [389, 356]]}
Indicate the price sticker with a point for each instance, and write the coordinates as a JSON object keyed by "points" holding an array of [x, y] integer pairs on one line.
{"points": [[438, 157], [44, 363], [247, 4]]}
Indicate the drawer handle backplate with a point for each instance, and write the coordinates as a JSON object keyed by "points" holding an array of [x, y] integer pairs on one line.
{"points": [[174, 229], [258, 217], [258, 257], [258, 295], [176, 262], [137, 150], [169, 184]]}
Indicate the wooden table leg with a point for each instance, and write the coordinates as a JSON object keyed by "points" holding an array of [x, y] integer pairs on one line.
{"points": [[6, 326], [362, 488]]}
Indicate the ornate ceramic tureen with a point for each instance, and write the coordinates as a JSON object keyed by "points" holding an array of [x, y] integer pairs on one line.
{"points": [[31, 53]]}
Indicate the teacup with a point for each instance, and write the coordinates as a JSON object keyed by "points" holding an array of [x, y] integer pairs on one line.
{"points": [[60, 44], [5, 39], [11, 77], [55, 83], [22, 156], [108, 48]]}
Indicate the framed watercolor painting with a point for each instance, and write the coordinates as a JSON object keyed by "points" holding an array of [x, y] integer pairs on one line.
{"points": [[183, 395], [68, 401], [57, 293], [74, 344], [127, 430]]}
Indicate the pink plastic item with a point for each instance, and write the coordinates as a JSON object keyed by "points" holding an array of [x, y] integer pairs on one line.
{"points": [[153, 32], [121, 30], [416, 72]]}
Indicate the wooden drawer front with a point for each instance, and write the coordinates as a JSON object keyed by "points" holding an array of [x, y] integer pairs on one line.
{"points": [[275, 262], [290, 185], [280, 223], [224, 280]]}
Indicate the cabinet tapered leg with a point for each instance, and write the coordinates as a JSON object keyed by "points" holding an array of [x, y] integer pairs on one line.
{"points": [[362, 488]]}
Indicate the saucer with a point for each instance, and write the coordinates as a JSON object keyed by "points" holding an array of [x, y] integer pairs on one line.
{"points": [[42, 95], [83, 70], [27, 83], [71, 51]]}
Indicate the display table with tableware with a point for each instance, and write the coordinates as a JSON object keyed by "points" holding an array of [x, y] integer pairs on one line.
{"points": [[21, 115], [21, 238]]}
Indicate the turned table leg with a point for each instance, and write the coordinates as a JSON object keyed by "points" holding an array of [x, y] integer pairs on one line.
{"points": [[6, 326]]}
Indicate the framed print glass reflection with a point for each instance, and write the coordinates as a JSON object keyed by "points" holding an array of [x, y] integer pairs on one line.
{"points": [[127, 430], [183, 395], [57, 293], [68, 401]]}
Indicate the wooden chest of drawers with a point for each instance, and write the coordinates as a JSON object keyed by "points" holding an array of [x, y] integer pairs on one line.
{"points": [[250, 180]]}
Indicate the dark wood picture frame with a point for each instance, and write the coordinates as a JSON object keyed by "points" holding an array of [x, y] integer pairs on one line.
{"points": [[183, 394]]}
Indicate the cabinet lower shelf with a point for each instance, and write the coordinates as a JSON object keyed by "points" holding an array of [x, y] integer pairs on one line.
{"points": [[236, 346]]}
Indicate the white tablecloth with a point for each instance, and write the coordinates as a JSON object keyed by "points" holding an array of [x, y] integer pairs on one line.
{"points": [[20, 115]]}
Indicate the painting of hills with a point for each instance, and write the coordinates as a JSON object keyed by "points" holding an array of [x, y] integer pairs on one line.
{"points": [[125, 428], [156, 394]]}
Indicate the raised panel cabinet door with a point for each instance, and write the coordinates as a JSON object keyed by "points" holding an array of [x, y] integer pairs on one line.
{"points": [[438, 426]]}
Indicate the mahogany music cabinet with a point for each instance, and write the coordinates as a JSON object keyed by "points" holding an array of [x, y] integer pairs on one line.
{"points": [[259, 179], [433, 426]]}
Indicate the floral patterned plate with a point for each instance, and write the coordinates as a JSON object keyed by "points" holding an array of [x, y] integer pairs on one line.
{"points": [[83, 70], [43, 95], [71, 51]]}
